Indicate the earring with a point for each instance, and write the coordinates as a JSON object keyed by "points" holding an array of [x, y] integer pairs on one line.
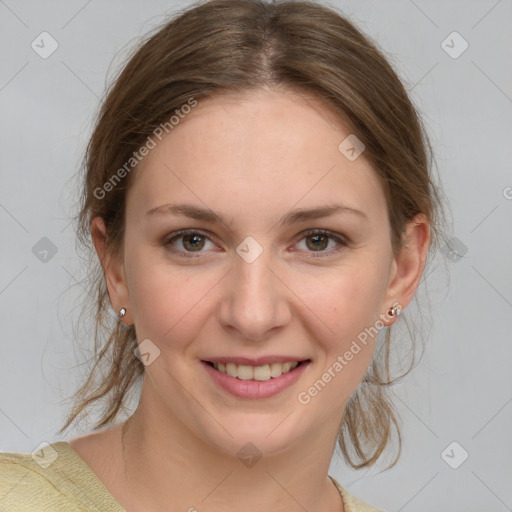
{"points": [[394, 311], [122, 312]]}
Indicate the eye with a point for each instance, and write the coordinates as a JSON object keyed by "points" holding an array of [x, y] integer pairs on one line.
{"points": [[189, 241], [317, 240]]}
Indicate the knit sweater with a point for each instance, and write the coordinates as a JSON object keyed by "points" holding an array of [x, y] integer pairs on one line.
{"points": [[57, 479]]}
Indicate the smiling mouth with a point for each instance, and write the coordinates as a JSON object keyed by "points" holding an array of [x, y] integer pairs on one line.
{"points": [[264, 372]]}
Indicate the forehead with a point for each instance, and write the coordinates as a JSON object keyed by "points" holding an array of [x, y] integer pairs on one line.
{"points": [[255, 154]]}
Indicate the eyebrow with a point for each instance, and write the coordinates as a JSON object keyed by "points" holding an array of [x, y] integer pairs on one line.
{"points": [[294, 216]]}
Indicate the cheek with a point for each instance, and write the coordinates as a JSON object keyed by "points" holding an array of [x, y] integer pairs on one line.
{"points": [[346, 349], [168, 301], [344, 307], [347, 299]]}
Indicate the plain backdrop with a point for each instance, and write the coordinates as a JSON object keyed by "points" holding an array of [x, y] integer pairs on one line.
{"points": [[455, 406]]}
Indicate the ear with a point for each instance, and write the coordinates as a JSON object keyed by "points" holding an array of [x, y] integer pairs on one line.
{"points": [[408, 265], [114, 271]]}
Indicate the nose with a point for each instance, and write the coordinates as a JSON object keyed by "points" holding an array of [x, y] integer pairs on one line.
{"points": [[255, 303]]}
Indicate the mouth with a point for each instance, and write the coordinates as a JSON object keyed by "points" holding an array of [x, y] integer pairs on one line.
{"points": [[255, 379], [259, 373]]}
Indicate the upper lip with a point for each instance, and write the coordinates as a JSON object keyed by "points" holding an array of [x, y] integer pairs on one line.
{"points": [[255, 361]]}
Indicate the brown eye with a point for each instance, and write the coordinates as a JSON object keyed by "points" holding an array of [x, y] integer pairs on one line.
{"points": [[186, 242], [193, 242], [318, 242]]}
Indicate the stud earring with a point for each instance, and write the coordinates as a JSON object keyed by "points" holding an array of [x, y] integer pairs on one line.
{"points": [[394, 311], [122, 312]]}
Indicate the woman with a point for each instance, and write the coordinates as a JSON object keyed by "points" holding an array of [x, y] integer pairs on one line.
{"points": [[258, 194]]}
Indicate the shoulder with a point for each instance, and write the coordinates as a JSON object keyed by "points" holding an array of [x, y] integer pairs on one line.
{"points": [[353, 503], [26, 480], [50, 479]]}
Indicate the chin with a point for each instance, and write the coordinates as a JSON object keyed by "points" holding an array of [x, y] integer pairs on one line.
{"points": [[256, 434]]}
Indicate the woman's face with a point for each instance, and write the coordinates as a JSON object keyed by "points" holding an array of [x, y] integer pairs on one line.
{"points": [[263, 285]]}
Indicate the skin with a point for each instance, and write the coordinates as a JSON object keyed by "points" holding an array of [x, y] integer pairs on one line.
{"points": [[251, 159]]}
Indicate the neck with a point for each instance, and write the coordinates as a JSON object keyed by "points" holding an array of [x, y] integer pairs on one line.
{"points": [[164, 463]]}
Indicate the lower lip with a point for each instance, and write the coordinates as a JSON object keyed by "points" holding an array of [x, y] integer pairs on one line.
{"points": [[255, 388]]}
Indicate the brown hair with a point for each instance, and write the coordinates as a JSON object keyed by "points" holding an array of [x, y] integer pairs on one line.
{"points": [[228, 46]]}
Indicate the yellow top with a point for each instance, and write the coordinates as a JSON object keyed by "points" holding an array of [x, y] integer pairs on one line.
{"points": [[56, 478]]}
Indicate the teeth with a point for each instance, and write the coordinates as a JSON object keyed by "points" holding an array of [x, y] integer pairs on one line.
{"points": [[261, 373], [276, 369], [231, 370], [245, 372]]}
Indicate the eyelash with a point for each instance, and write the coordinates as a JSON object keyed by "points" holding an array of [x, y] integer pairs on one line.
{"points": [[319, 254]]}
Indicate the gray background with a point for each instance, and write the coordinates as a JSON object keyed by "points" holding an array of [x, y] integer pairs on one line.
{"points": [[461, 391]]}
